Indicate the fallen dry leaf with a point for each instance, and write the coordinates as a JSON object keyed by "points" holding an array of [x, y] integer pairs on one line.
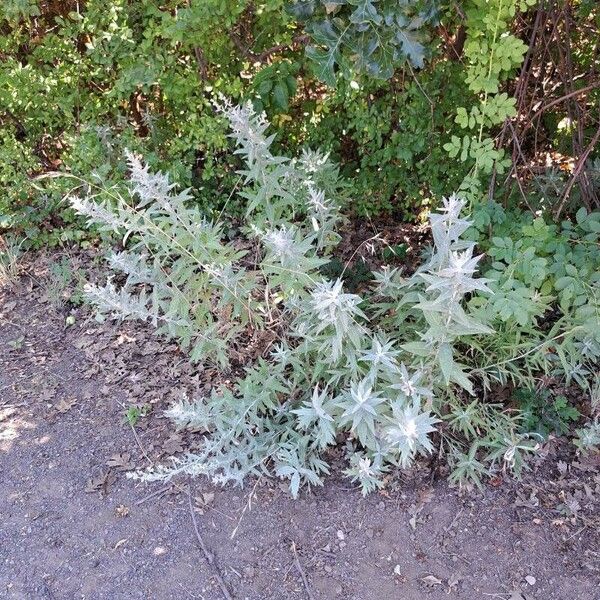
{"points": [[120, 461], [173, 444], [531, 502], [424, 496], [65, 405], [100, 483], [208, 497], [203, 501]]}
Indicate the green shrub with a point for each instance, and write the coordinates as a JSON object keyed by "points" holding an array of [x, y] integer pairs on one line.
{"points": [[392, 137], [72, 73], [544, 415], [546, 293], [374, 37]]}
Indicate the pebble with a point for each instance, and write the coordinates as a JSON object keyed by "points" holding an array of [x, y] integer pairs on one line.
{"points": [[530, 579]]}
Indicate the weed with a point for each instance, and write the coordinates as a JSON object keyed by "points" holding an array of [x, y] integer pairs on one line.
{"points": [[10, 255], [134, 413], [544, 414], [17, 343], [64, 284], [384, 369]]}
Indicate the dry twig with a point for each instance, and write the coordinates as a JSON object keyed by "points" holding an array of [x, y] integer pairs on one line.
{"points": [[153, 494], [209, 557], [577, 171], [302, 573]]}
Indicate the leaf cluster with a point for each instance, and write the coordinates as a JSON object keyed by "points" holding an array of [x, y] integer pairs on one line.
{"points": [[373, 36]]}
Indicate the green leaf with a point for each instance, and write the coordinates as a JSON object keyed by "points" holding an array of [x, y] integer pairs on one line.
{"points": [[301, 9], [281, 96], [323, 64], [326, 54], [292, 85], [265, 87], [446, 361], [365, 12], [412, 47]]}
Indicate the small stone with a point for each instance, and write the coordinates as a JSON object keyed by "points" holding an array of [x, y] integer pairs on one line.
{"points": [[340, 535], [121, 510], [530, 579]]}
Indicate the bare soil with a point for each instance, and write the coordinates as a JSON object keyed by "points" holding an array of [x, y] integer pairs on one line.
{"points": [[73, 526]]}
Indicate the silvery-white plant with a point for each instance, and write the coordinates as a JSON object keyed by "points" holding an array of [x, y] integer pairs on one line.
{"points": [[182, 276], [375, 369], [339, 373]]}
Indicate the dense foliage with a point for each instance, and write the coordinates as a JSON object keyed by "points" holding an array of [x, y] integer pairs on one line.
{"points": [[375, 37], [80, 82]]}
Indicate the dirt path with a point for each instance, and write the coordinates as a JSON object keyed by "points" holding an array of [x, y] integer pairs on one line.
{"points": [[73, 526]]}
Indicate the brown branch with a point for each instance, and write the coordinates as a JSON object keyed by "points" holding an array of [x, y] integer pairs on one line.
{"points": [[210, 559], [297, 42], [577, 171], [520, 152], [302, 573], [588, 88], [261, 57], [526, 70], [202, 64], [454, 43]]}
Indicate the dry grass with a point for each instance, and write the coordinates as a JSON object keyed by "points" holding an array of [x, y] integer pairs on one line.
{"points": [[10, 255]]}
